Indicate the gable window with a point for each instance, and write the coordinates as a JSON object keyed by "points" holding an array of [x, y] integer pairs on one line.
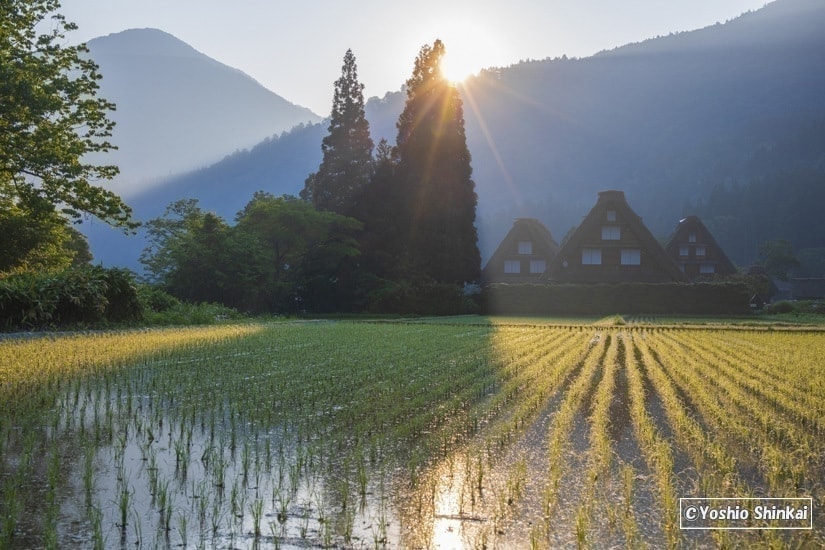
{"points": [[512, 266], [631, 256], [525, 247], [707, 269], [591, 256], [538, 266], [700, 251], [692, 237], [683, 251], [611, 233], [611, 215]]}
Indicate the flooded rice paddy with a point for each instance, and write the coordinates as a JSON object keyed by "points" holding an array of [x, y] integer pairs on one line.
{"points": [[411, 435]]}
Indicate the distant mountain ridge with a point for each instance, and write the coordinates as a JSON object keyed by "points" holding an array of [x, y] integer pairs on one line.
{"points": [[178, 109], [666, 120]]}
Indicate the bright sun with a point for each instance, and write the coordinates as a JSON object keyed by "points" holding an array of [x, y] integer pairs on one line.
{"points": [[455, 69], [468, 50]]}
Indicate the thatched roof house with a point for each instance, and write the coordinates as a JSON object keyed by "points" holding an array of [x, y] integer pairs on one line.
{"points": [[523, 255], [612, 245], [696, 252]]}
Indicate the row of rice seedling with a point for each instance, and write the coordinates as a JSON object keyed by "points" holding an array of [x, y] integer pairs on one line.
{"points": [[735, 415], [773, 409], [307, 402], [559, 439], [471, 496], [655, 447], [773, 457], [714, 464], [596, 481], [785, 367], [384, 434]]}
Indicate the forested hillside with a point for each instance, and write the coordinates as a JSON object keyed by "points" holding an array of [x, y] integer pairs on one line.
{"points": [[667, 120]]}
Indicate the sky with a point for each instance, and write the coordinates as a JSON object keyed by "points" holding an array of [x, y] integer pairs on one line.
{"points": [[296, 48]]}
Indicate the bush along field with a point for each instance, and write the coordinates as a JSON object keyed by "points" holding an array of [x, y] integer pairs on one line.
{"points": [[360, 434]]}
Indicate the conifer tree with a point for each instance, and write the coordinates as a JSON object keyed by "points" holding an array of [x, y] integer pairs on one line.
{"points": [[435, 176], [347, 163]]}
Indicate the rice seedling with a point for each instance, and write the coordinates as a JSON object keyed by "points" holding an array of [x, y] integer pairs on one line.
{"points": [[403, 415], [256, 509]]}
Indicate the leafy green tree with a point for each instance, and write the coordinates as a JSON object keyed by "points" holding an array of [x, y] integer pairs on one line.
{"points": [[778, 258], [282, 255], [298, 252], [346, 166], [38, 241], [435, 176], [165, 235], [190, 253], [51, 118]]}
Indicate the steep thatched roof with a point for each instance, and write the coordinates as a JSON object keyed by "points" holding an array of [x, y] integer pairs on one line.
{"points": [[656, 265], [524, 229], [714, 254]]}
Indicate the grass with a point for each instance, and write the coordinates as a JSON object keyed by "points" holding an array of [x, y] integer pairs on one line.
{"points": [[339, 432]]}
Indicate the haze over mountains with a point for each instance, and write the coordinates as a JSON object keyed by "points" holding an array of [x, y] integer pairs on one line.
{"points": [[178, 109], [671, 121]]}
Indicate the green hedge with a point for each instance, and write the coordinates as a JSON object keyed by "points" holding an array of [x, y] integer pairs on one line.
{"points": [[428, 298], [88, 295], [602, 299]]}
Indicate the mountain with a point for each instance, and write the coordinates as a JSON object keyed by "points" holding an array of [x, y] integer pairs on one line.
{"points": [[670, 121], [666, 120], [178, 109]]}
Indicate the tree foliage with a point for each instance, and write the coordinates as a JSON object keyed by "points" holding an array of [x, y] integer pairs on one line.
{"points": [[346, 166], [40, 240], [381, 208], [280, 256], [778, 257], [435, 176], [51, 118]]}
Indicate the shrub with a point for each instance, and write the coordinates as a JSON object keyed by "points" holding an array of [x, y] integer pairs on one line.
{"points": [[601, 299], [783, 306], [801, 307], [157, 300], [182, 313], [425, 298], [123, 303], [87, 295]]}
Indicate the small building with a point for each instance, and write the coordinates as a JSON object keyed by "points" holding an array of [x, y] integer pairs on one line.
{"points": [[523, 255], [696, 253], [612, 245]]}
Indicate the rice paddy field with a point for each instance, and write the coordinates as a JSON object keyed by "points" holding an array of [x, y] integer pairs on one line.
{"points": [[449, 433]]}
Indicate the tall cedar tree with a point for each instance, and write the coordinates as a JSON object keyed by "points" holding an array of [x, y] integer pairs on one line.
{"points": [[435, 176], [380, 207], [347, 163]]}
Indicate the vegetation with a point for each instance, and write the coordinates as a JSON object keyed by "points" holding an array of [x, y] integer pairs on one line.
{"points": [[282, 255], [409, 246], [347, 163], [38, 241], [81, 296], [51, 119], [641, 298], [434, 175], [338, 433], [93, 297]]}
